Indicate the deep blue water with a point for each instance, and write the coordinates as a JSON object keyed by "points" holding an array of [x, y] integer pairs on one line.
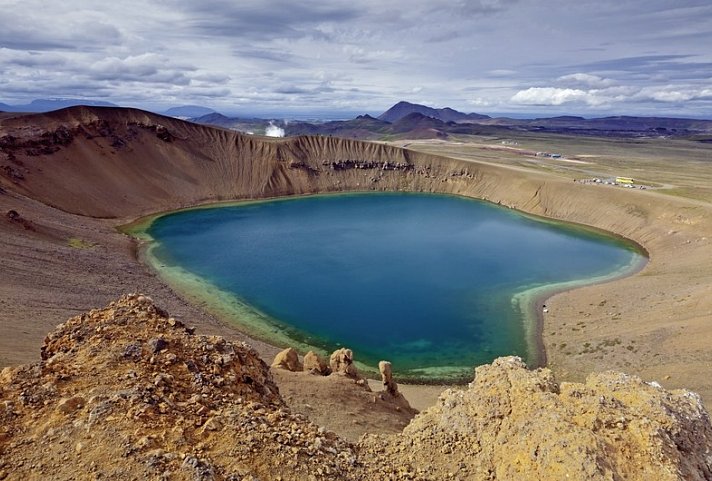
{"points": [[425, 281]]}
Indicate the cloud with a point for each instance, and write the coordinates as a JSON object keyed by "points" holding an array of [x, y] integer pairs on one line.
{"points": [[213, 78], [481, 7], [32, 25], [305, 55], [502, 72], [551, 96], [444, 37], [359, 54], [147, 67], [271, 54], [641, 63], [262, 20], [585, 80], [29, 59], [206, 93], [480, 102], [673, 94]]}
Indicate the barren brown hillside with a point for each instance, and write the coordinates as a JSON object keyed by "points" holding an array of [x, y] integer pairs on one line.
{"points": [[68, 178]]}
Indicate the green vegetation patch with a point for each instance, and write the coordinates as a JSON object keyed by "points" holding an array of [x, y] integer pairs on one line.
{"points": [[78, 243]]}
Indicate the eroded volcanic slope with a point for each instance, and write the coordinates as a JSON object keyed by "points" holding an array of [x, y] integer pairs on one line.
{"points": [[128, 392], [123, 162], [68, 178], [120, 390]]}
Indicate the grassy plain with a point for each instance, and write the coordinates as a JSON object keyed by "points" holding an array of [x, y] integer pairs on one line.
{"points": [[675, 167]]}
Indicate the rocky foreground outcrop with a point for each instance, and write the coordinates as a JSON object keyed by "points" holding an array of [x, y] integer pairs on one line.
{"points": [[127, 392], [512, 423]]}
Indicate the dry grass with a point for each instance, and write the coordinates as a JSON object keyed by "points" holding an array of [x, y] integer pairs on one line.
{"points": [[676, 167], [78, 243]]}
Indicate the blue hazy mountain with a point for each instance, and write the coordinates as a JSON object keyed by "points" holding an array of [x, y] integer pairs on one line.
{"points": [[47, 105], [188, 111], [403, 109]]}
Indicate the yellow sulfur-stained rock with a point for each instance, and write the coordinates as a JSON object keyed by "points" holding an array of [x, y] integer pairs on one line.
{"points": [[315, 364], [287, 359], [515, 424]]}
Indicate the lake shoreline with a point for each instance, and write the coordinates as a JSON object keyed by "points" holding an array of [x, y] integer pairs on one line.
{"points": [[536, 303], [235, 312], [654, 324]]}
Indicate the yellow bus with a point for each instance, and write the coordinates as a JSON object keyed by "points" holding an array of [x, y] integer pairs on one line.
{"points": [[624, 180]]}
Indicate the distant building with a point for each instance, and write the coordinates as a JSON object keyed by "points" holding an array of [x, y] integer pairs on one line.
{"points": [[624, 180]]}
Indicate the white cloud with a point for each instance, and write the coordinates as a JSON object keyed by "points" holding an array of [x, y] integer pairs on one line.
{"points": [[30, 58], [585, 80], [148, 68], [501, 72], [554, 96], [673, 94], [480, 102], [551, 96]]}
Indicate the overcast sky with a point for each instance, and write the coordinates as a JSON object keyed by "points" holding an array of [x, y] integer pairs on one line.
{"points": [[650, 57]]}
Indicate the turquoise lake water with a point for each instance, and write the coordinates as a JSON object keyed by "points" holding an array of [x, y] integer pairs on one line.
{"points": [[425, 281]]}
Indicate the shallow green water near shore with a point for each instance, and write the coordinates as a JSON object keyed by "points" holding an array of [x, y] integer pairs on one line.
{"points": [[428, 282]]}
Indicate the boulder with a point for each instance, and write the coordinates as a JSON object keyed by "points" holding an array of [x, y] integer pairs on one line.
{"points": [[390, 388], [71, 405], [315, 364], [389, 385], [287, 359], [342, 362]]}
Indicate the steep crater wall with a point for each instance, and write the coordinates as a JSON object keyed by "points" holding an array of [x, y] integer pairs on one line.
{"points": [[122, 164]]}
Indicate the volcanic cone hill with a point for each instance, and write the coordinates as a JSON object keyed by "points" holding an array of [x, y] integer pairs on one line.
{"points": [[403, 109]]}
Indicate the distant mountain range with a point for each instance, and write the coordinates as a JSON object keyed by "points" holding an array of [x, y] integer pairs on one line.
{"points": [[413, 121], [188, 111], [406, 120], [47, 105]]}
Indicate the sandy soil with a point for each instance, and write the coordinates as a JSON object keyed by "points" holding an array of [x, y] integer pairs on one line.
{"points": [[56, 265], [62, 255]]}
